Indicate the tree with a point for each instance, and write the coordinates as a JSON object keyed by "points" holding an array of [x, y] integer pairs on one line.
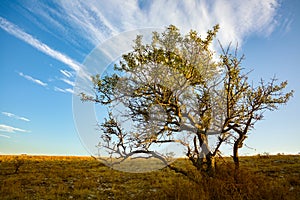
{"points": [[174, 91], [246, 103]]}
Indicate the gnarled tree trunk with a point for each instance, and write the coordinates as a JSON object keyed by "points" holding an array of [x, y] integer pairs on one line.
{"points": [[236, 155], [211, 164], [206, 155], [238, 144]]}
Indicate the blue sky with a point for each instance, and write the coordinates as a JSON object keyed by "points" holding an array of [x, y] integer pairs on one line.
{"points": [[43, 45]]}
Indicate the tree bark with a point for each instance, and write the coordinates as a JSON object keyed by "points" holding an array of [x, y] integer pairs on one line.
{"points": [[211, 164], [236, 154], [206, 153], [238, 144], [236, 160]]}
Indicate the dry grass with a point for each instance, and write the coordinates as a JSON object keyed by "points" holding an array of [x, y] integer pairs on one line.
{"points": [[42, 177]]}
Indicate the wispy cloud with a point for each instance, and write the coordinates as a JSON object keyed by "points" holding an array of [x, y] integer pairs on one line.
{"points": [[37, 81], [70, 90], [68, 82], [66, 73], [57, 89], [97, 21], [94, 22], [17, 32], [15, 116], [286, 25], [10, 129], [6, 136], [67, 90]]}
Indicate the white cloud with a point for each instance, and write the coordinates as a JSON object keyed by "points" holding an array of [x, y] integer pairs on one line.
{"points": [[66, 73], [286, 25], [68, 82], [6, 136], [39, 82], [67, 90], [15, 116], [97, 21], [239, 19], [57, 89], [17, 32], [93, 22], [10, 129]]}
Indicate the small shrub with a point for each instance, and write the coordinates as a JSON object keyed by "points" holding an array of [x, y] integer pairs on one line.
{"points": [[18, 162]]}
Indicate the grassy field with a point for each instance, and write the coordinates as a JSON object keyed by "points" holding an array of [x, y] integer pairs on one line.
{"points": [[46, 177]]}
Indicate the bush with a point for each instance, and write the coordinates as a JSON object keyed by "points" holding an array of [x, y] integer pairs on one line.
{"points": [[250, 185], [18, 162]]}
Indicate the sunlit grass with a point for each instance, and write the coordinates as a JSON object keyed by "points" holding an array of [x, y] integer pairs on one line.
{"points": [[47, 177]]}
